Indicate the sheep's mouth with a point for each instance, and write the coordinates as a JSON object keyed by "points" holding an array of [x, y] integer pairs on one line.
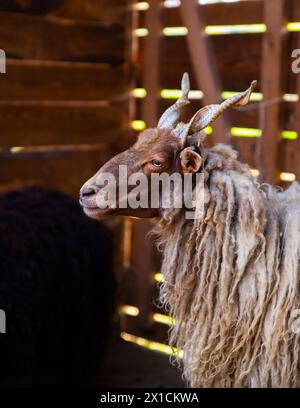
{"points": [[95, 212]]}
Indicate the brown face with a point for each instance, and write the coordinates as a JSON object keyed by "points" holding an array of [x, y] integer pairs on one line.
{"points": [[156, 151], [161, 150]]}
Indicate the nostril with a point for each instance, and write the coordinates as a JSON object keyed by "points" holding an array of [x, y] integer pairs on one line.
{"points": [[89, 191]]}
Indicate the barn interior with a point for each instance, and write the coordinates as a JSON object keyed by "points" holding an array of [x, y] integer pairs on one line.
{"points": [[81, 78]]}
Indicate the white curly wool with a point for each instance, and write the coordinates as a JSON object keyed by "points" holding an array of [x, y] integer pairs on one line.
{"points": [[231, 279]]}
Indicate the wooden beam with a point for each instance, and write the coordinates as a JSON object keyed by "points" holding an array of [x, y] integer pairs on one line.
{"points": [[204, 65], [65, 170], [50, 123], [294, 10], [241, 12], [61, 81], [107, 11], [295, 152], [37, 37], [142, 250], [142, 269], [151, 64], [271, 89], [236, 73]]}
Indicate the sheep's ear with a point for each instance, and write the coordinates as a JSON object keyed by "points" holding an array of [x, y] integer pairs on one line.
{"points": [[190, 160]]}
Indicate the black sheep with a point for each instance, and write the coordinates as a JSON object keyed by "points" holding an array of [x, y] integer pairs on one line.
{"points": [[56, 288]]}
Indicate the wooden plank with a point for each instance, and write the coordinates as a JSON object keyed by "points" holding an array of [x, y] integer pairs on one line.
{"points": [[29, 124], [293, 10], [294, 155], [288, 159], [50, 38], [56, 80], [142, 266], [243, 12], [105, 10], [151, 59], [142, 273], [289, 79], [65, 170], [271, 88], [236, 72], [246, 148], [206, 73]]}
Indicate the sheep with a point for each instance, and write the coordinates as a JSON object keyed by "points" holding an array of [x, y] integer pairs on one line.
{"points": [[231, 274], [56, 289]]}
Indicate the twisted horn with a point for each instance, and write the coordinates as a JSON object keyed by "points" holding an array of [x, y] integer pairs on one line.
{"points": [[170, 117], [209, 113]]}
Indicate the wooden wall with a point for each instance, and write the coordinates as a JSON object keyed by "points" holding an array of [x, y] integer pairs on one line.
{"points": [[63, 100], [64, 103], [240, 58]]}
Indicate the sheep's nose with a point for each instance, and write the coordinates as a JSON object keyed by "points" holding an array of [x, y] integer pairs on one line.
{"points": [[87, 193]]}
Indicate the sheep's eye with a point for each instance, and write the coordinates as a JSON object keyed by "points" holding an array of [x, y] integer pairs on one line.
{"points": [[156, 163]]}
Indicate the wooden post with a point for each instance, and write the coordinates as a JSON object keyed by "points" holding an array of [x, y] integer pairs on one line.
{"points": [[204, 65], [295, 148], [151, 63], [142, 250], [142, 268], [271, 89]]}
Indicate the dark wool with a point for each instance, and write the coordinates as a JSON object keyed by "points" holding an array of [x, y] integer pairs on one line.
{"points": [[56, 288]]}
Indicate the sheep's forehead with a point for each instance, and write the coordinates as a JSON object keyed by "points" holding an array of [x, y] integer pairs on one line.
{"points": [[157, 140]]}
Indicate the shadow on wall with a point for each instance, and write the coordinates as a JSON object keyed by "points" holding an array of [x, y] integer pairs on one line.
{"points": [[30, 6]]}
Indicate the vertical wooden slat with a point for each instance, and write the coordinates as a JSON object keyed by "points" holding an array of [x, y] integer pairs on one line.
{"points": [[204, 64], [271, 89], [142, 268], [142, 250], [151, 63], [296, 110]]}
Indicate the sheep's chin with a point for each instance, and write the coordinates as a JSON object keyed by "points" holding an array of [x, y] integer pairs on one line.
{"points": [[96, 213]]}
